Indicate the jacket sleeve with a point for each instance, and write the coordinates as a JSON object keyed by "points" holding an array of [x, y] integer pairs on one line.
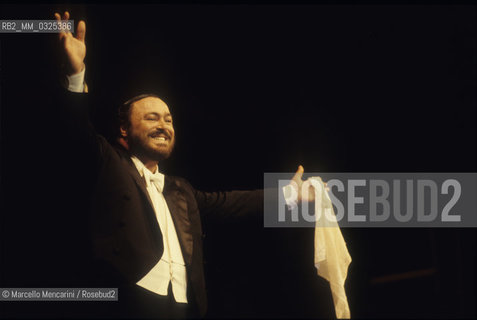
{"points": [[229, 204], [72, 115]]}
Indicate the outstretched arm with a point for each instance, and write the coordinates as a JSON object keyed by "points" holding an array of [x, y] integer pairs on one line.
{"points": [[236, 204], [225, 205]]}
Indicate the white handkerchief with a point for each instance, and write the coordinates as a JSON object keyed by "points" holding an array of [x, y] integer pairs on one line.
{"points": [[331, 254]]}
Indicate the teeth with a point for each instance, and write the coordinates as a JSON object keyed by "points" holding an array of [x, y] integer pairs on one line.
{"points": [[160, 138]]}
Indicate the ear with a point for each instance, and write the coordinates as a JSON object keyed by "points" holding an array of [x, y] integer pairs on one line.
{"points": [[124, 132]]}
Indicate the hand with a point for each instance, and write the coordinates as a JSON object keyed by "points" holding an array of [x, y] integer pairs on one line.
{"points": [[298, 183], [74, 48]]}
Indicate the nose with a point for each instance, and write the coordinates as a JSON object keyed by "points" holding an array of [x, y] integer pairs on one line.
{"points": [[164, 126], [161, 123]]}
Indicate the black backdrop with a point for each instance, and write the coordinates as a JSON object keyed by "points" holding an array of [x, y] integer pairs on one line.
{"points": [[263, 88]]}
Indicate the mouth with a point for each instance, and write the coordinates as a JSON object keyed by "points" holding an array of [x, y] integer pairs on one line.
{"points": [[160, 137]]}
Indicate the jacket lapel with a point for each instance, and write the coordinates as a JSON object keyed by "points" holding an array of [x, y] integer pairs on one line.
{"points": [[139, 181], [177, 205], [129, 164], [155, 230]]}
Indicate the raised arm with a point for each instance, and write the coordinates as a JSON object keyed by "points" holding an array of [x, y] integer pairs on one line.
{"points": [[72, 108]]}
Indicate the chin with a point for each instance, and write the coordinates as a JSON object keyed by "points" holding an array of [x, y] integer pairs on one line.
{"points": [[164, 156], [161, 154]]}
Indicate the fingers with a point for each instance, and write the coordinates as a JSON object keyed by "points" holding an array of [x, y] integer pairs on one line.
{"points": [[66, 17], [81, 31], [62, 34], [300, 170], [298, 174]]}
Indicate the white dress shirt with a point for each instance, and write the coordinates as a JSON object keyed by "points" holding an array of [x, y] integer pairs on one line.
{"points": [[171, 267]]}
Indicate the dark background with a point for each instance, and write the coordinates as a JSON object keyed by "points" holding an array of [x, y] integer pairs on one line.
{"points": [[264, 88]]}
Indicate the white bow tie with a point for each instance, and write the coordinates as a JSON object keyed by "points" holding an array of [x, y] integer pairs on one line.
{"points": [[156, 179]]}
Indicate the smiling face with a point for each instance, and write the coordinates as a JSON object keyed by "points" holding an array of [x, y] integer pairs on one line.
{"points": [[150, 133]]}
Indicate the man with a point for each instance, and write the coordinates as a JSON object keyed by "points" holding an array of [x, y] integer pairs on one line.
{"points": [[146, 228]]}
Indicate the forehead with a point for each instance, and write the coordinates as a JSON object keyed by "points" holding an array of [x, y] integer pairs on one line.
{"points": [[148, 105]]}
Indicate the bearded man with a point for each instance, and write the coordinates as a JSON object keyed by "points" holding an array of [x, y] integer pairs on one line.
{"points": [[145, 227]]}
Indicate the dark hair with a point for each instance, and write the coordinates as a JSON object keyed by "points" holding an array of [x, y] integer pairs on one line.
{"points": [[124, 110]]}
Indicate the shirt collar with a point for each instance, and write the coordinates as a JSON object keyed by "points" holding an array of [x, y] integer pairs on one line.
{"points": [[141, 167]]}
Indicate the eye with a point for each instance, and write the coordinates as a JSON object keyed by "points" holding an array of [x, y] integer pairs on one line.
{"points": [[169, 120]]}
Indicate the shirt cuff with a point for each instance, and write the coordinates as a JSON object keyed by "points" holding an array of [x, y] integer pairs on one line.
{"points": [[289, 193], [76, 82]]}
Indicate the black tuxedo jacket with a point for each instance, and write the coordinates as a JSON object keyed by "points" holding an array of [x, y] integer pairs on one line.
{"points": [[125, 236]]}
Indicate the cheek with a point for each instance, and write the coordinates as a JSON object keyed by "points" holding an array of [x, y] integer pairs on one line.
{"points": [[142, 130]]}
